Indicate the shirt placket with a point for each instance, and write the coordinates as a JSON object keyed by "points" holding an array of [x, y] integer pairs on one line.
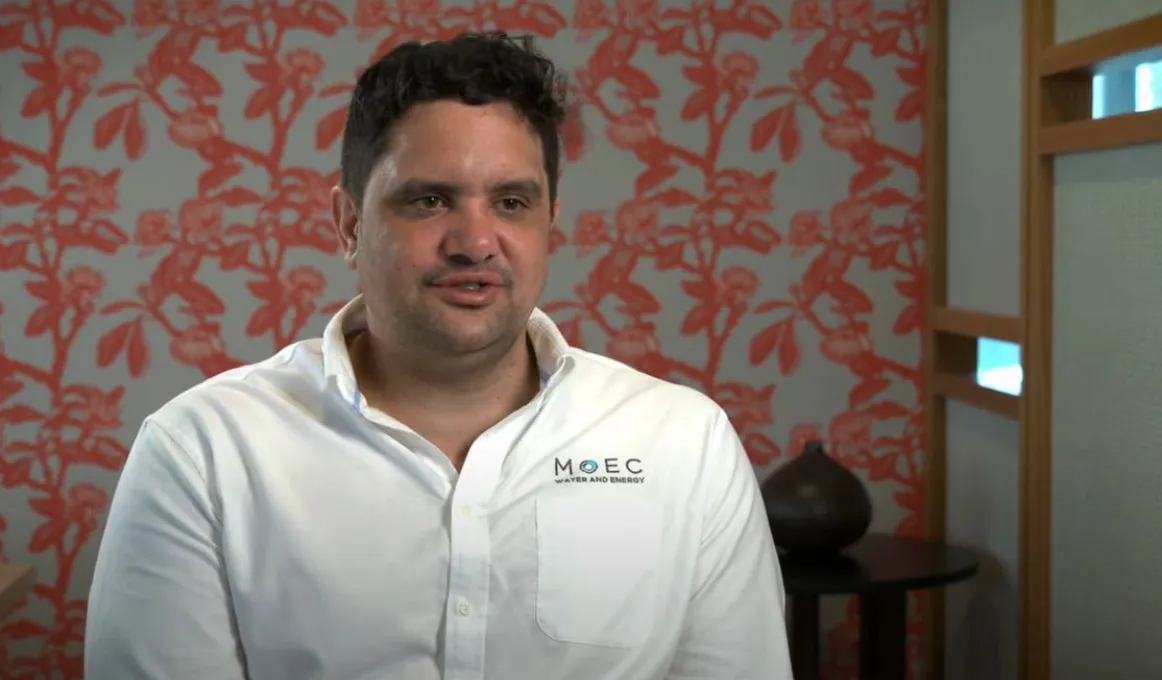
{"points": [[470, 564]]}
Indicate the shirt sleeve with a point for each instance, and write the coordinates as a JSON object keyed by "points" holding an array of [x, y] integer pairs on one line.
{"points": [[159, 606], [735, 627]]}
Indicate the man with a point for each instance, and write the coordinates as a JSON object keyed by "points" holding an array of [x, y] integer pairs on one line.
{"points": [[440, 487]]}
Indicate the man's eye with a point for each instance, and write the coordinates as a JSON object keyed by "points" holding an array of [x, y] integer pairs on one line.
{"points": [[512, 204], [428, 202]]}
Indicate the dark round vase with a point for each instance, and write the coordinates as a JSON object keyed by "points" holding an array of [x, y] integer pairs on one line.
{"points": [[815, 504]]}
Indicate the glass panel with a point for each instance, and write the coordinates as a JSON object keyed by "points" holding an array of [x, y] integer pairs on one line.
{"points": [[1128, 84], [1148, 86], [998, 365], [1099, 96]]}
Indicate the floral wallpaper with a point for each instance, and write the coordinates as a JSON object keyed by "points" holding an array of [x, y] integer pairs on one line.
{"points": [[743, 213]]}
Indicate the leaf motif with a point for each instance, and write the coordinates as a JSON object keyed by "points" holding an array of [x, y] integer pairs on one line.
{"points": [[112, 343], [107, 127]]}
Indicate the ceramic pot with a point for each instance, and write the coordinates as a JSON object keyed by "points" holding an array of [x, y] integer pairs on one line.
{"points": [[815, 504]]}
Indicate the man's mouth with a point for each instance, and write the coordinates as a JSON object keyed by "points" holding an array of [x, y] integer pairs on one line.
{"points": [[468, 291], [469, 281]]}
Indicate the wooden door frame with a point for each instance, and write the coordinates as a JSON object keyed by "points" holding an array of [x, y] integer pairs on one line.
{"points": [[1055, 119]]}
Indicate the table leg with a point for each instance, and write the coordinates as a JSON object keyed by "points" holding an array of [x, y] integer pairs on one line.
{"points": [[804, 636], [883, 635]]}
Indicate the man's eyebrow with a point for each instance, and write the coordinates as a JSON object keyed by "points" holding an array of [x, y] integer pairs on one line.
{"points": [[418, 186], [528, 187]]}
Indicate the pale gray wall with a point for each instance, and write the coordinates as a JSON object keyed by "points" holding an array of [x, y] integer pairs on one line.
{"points": [[1107, 415], [1079, 18], [984, 261], [1107, 396], [984, 155]]}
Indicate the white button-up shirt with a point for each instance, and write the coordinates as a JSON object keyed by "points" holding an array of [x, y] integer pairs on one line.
{"points": [[270, 525]]}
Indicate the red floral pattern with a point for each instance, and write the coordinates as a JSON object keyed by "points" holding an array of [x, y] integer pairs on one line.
{"points": [[769, 252]]}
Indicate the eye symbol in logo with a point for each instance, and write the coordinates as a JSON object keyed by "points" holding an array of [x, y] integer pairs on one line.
{"points": [[588, 466]]}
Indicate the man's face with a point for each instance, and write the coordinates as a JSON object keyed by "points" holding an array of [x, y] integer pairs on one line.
{"points": [[451, 243]]}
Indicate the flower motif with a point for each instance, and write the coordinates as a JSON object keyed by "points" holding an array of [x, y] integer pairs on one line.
{"points": [[200, 220], [81, 287], [78, 66], [637, 221], [738, 70]]}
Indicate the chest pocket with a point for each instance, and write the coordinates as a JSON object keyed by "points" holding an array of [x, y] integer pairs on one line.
{"points": [[598, 557]]}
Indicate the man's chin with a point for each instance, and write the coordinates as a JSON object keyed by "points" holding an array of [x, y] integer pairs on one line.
{"points": [[469, 331]]}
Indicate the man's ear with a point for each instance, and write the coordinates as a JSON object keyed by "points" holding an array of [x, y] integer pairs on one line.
{"points": [[556, 213], [345, 217]]}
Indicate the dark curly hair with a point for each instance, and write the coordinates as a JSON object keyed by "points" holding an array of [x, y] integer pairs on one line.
{"points": [[474, 68]]}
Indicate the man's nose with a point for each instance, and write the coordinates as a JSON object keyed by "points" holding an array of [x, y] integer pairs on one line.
{"points": [[471, 239]]}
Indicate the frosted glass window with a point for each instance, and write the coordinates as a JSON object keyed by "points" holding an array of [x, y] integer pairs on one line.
{"points": [[1127, 85], [1147, 86], [998, 365]]}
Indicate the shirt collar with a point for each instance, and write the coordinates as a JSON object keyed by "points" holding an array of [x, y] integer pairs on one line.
{"points": [[549, 346]]}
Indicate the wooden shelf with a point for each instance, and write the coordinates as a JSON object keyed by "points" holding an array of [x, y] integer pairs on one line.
{"points": [[16, 581], [1104, 133], [977, 324], [1091, 50], [964, 388]]}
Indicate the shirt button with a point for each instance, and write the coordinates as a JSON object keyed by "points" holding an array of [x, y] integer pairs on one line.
{"points": [[466, 510], [463, 608]]}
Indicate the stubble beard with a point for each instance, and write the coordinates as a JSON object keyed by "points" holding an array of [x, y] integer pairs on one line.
{"points": [[452, 333]]}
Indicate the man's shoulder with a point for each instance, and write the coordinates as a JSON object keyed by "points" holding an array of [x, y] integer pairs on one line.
{"points": [[615, 380], [291, 376], [681, 434]]}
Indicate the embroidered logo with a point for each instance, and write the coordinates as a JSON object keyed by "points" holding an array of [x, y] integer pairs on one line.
{"points": [[594, 471]]}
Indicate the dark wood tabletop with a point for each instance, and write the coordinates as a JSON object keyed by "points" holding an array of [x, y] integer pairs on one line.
{"points": [[878, 561], [880, 570]]}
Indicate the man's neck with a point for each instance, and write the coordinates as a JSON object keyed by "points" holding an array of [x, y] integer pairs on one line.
{"points": [[450, 403]]}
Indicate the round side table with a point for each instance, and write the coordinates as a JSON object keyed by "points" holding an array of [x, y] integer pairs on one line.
{"points": [[880, 570]]}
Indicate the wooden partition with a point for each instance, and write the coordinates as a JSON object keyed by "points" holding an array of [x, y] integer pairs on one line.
{"points": [[1056, 119], [951, 335], [935, 294]]}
